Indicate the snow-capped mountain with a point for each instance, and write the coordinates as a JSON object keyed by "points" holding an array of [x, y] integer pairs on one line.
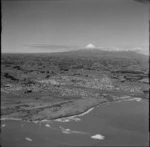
{"points": [[90, 46], [138, 50]]}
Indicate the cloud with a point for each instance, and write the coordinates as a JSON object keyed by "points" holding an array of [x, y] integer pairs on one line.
{"points": [[52, 47], [142, 1], [41, 0]]}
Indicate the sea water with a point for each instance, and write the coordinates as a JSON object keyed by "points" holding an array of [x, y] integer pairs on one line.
{"points": [[115, 124]]}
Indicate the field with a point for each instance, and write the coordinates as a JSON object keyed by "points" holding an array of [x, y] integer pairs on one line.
{"points": [[50, 86]]}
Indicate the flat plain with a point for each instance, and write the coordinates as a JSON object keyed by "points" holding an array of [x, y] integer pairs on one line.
{"points": [[51, 86]]}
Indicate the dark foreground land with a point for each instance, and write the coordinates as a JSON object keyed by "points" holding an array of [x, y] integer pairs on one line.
{"points": [[50, 86]]}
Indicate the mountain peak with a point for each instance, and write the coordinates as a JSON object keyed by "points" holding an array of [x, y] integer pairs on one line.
{"points": [[90, 46]]}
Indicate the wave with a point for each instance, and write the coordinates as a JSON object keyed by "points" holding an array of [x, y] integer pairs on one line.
{"points": [[28, 139], [67, 119], [47, 125], [98, 136], [138, 99], [3, 125], [68, 131], [88, 111], [74, 117]]}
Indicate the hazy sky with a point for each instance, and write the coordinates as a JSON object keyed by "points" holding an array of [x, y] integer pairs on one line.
{"points": [[50, 25]]}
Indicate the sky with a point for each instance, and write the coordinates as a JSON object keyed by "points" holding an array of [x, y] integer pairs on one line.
{"points": [[58, 25]]}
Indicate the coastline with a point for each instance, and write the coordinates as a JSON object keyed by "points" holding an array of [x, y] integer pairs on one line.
{"points": [[97, 123], [81, 113], [74, 114]]}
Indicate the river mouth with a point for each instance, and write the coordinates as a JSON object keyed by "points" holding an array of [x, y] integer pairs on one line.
{"points": [[114, 124]]}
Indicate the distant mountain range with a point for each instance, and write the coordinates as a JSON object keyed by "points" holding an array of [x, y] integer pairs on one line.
{"points": [[91, 50], [115, 49], [85, 52]]}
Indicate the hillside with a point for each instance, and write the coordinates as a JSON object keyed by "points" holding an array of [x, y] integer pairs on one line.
{"points": [[100, 53]]}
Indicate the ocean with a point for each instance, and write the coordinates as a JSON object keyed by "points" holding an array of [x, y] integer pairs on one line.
{"points": [[112, 124]]}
